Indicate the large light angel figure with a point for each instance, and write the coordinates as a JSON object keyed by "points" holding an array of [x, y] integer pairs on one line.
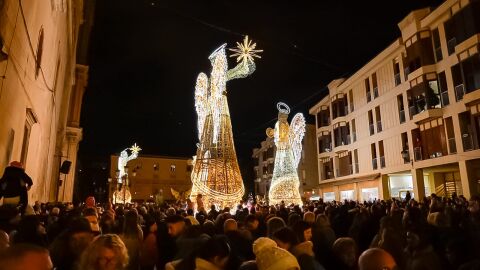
{"points": [[216, 174], [123, 195], [288, 140]]}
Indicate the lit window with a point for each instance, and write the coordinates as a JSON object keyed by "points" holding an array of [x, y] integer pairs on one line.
{"points": [[172, 168], [155, 166]]}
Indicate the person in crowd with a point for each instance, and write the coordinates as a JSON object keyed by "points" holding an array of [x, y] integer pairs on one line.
{"points": [[376, 259], [345, 252], [273, 225], [149, 250], [25, 256], [132, 237], [91, 214], [14, 185], [4, 241], [31, 231], [271, 257], [419, 251], [251, 224], [68, 246], [105, 252]]}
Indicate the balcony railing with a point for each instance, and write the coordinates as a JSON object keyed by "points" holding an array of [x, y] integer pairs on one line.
{"points": [[398, 79], [382, 162], [379, 126], [451, 45], [375, 92], [406, 156], [356, 168], [444, 98], [412, 110], [467, 142], [372, 129], [374, 164], [369, 97], [402, 116], [459, 91], [329, 174], [417, 153], [452, 146], [407, 71]]}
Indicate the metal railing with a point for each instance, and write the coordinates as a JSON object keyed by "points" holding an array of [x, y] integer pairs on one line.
{"points": [[375, 92], [382, 162], [398, 79], [412, 110], [402, 116], [452, 146], [417, 153], [374, 164], [451, 43], [407, 71], [444, 98], [372, 129], [379, 126], [369, 97], [459, 91]]}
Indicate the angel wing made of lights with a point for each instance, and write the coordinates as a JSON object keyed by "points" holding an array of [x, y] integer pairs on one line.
{"points": [[296, 133], [201, 101], [175, 193]]}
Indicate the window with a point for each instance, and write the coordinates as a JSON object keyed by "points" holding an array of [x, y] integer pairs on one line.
{"points": [[350, 100], [155, 166], [354, 131], [442, 83], [373, 151], [375, 85], [328, 196], [369, 194], [419, 52], [172, 168], [379, 119], [382, 154], [450, 135], [405, 151], [396, 72], [370, 123], [401, 108], [30, 120], [367, 90], [462, 25], [38, 59], [436, 45], [347, 195], [355, 159]]}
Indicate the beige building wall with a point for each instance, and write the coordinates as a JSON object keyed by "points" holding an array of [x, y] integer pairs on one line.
{"points": [[37, 74], [150, 174], [264, 161], [384, 162]]}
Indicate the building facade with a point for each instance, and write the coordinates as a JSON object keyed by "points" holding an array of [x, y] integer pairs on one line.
{"points": [[410, 118], [150, 175], [264, 160], [43, 74]]}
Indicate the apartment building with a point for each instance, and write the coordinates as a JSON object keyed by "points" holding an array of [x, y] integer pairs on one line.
{"points": [[264, 161], [149, 175], [409, 120]]}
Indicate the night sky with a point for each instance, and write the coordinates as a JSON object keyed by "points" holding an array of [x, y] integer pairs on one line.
{"points": [[145, 57]]}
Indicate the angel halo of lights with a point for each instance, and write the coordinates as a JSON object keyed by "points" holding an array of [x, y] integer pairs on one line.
{"points": [[216, 174], [123, 194], [288, 140]]}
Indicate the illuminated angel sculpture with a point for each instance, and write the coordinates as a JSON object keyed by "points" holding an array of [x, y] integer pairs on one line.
{"points": [[216, 174], [288, 140], [123, 195]]}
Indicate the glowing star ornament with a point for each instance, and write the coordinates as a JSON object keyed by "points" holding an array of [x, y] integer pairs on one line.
{"points": [[216, 174], [123, 195], [288, 139]]}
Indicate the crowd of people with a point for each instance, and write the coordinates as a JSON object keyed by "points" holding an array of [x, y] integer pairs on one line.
{"points": [[435, 233]]}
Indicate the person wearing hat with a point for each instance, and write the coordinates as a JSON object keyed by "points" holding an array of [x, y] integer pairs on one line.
{"points": [[270, 257], [14, 185]]}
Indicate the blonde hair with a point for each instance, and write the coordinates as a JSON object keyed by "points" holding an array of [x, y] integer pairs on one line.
{"points": [[90, 257]]}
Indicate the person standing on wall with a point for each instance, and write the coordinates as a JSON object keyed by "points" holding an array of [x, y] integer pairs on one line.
{"points": [[14, 185]]}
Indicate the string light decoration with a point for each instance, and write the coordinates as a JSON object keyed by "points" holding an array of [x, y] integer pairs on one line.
{"points": [[216, 174], [288, 140], [123, 194]]}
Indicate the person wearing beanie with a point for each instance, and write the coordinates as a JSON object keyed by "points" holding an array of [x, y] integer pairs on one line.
{"points": [[14, 185], [271, 257], [274, 224]]}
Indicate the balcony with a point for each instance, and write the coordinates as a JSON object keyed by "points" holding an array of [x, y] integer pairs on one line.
{"points": [[375, 92], [382, 162], [402, 116], [374, 164], [471, 97], [451, 43], [444, 98], [467, 142], [398, 79], [427, 115], [459, 91], [452, 146], [417, 153], [372, 129], [379, 126]]}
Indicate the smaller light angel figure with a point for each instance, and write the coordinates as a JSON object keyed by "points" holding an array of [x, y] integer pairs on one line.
{"points": [[288, 140]]}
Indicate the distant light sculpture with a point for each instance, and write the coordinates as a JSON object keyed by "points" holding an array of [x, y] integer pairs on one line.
{"points": [[288, 140], [216, 174], [123, 194]]}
